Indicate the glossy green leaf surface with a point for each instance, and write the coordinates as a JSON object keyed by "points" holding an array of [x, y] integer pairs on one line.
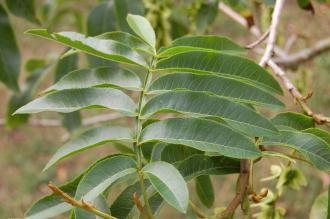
{"points": [[199, 164], [9, 53], [167, 180], [316, 150], [221, 64], [98, 77], [204, 135], [52, 205], [142, 28], [224, 87], [103, 174], [204, 43], [91, 138], [103, 48], [204, 190], [203, 104], [72, 100], [24, 9], [294, 120]]}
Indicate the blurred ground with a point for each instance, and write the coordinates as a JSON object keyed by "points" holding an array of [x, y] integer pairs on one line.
{"points": [[25, 150]]}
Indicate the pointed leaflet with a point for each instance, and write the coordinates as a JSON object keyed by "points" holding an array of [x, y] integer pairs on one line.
{"points": [[24, 9], [313, 148], [142, 28], [9, 53], [52, 205], [204, 190], [103, 174], [91, 138], [204, 135], [221, 64], [203, 104], [204, 43], [72, 100], [294, 120], [224, 87], [99, 77], [103, 48], [169, 183]]}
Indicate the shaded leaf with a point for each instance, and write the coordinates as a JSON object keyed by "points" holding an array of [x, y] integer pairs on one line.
{"points": [[294, 120], [72, 100], [311, 147], [204, 190], [9, 53], [172, 153], [169, 183], [123, 7], [24, 9], [91, 138], [203, 104], [221, 64], [221, 86], [204, 135], [111, 76]]}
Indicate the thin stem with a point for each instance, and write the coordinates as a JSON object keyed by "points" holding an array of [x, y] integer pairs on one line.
{"points": [[80, 204], [137, 148], [197, 210]]}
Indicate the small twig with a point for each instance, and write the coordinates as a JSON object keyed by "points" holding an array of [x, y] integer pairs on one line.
{"points": [[292, 61], [243, 185], [198, 211], [258, 41], [138, 203], [80, 204], [273, 33]]}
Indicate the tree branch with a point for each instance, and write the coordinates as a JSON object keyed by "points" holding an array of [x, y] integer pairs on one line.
{"points": [[80, 204], [258, 41], [272, 33], [294, 60]]}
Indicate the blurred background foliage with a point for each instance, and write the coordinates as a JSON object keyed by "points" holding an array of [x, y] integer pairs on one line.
{"points": [[25, 148]]}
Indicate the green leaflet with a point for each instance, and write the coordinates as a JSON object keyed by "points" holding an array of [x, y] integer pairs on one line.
{"points": [[24, 9], [324, 135], [142, 28], [91, 138], [201, 43], [103, 174], [204, 135], [204, 190], [169, 183], [294, 120], [225, 87], [311, 147], [221, 64], [203, 104], [9, 53], [199, 164], [111, 76], [172, 153], [72, 100], [103, 48]]}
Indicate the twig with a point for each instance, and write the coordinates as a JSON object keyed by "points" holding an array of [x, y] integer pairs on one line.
{"points": [[272, 33], [258, 41], [243, 184], [80, 204], [292, 61]]}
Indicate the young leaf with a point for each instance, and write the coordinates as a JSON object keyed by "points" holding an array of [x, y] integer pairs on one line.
{"points": [[9, 53], [238, 91], [72, 100], [204, 135], [103, 174], [24, 9], [111, 76], [221, 64], [311, 147], [203, 104], [169, 183], [294, 120], [91, 138], [103, 48], [142, 28], [204, 190]]}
